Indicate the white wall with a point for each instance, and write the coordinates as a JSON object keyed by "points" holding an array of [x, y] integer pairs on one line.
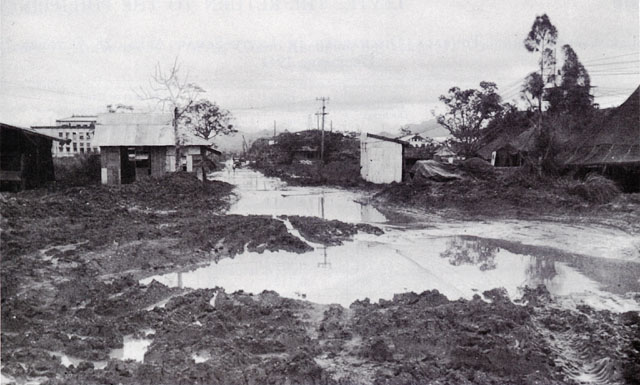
{"points": [[380, 160]]}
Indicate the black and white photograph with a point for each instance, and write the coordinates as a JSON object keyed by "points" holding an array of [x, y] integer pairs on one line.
{"points": [[321, 192]]}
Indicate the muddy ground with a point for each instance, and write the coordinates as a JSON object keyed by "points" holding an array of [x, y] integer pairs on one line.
{"points": [[71, 261]]}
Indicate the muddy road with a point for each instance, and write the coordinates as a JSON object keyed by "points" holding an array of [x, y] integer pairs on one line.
{"points": [[286, 285]]}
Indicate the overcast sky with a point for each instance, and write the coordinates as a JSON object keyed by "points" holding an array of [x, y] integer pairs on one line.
{"points": [[382, 63]]}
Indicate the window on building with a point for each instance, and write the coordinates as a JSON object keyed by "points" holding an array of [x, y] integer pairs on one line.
{"points": [[81, 136], [74, 136], [67, 135], [75, 147], [60, 134]]}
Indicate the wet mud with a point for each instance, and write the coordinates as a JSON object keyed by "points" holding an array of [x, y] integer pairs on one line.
{"points": [[73, 301], [213, 337]]}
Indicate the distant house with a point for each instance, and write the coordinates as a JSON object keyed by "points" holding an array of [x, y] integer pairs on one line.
{"points": [[25, 157], [612, 145], [416, 140], [446, 154], [381, 158], [509, 150], [77, 130], [139, 145]]}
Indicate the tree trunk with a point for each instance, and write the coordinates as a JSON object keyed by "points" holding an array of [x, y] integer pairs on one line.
{"points": [[177, 138]]}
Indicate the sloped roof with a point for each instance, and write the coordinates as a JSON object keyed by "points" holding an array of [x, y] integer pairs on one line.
{"points": [[613, 140], [522, 142], [31, 131], [134, 129], [386, 139]]}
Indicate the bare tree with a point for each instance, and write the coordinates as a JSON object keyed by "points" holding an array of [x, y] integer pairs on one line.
{"points": [[169, 89]]}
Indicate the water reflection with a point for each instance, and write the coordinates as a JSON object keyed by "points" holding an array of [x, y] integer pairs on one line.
{"points": [[259, 195], [406, 259], [471, 251], [541, 271], [398, 261]]}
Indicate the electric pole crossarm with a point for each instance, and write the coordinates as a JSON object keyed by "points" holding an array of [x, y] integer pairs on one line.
{"points": [[324, 100]]}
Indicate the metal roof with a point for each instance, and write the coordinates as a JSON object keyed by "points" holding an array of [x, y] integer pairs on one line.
{"points": [[79, 118], [140, 129], [30, 131], [133, 129]]}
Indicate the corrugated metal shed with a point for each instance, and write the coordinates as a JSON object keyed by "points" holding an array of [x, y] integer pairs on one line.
{"points": [[134, 129]]}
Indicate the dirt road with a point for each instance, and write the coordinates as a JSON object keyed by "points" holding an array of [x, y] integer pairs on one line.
{"points": [[117, 285]]}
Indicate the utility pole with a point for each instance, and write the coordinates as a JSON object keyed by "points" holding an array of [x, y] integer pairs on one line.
{"points": [[323, 113], [274, 130]]}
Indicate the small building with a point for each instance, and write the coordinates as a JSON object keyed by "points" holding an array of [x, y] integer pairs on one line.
{"points": [[25, 157], [77, 130], [140, 145], [381, 158], [509, 150], [446, 154], [417, 140]]}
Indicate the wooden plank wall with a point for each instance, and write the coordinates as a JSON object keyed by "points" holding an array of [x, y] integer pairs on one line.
{"points": [[110, 164]]}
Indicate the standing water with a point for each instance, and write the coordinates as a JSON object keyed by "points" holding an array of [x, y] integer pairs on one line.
{"points": [[577, 264]]}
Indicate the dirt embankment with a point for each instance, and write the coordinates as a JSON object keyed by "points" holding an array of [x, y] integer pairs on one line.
{"points": [[329, 233], [510, 194]]}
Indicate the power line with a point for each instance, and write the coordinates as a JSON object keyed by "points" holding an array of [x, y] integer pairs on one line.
{"points": [[614, 63], [611, 57]]}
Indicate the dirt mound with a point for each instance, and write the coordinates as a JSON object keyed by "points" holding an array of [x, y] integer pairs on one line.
{"points": [[329, 232], [477, 167]]}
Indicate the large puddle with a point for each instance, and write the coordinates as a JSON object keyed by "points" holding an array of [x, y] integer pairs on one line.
{"points": [[599, 267]]}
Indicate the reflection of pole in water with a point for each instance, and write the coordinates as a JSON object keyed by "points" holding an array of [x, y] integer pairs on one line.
{"points": [[322, 206], [180, 280], [324, 264]]}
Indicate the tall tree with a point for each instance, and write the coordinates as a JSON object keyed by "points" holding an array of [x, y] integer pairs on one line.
{"points": [[575, 84], [170, 89], [468, 112], [542, 38], [207, 120]]}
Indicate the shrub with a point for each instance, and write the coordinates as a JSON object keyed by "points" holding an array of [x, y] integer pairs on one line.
{"points": [[595, 189], [79, 170]]}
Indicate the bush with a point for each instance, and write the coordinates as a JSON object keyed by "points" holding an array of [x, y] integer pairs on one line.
{"points": [[595, 189], [79, 170]]}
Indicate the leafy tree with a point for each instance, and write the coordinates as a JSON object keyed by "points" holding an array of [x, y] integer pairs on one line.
{"points": [[467, 113], [533, 89], [207, 120], [575, 86], [542, 38]]}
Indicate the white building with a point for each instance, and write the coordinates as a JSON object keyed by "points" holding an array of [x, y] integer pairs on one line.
{"points": [[416, 140], [78, 129], [381, 158]]}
